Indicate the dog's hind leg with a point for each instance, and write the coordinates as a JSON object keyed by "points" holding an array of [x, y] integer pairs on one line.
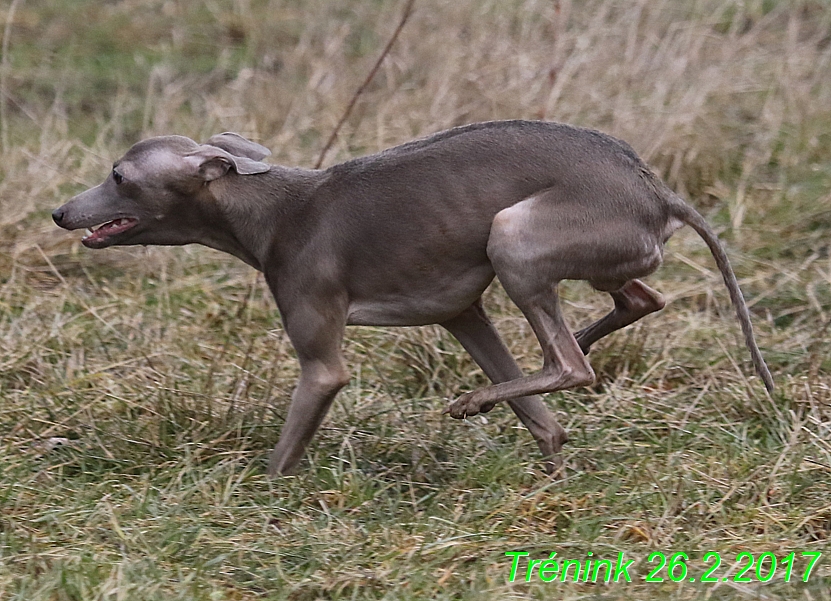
{"points": [[538, 242], [474, 330], [633, 301]]}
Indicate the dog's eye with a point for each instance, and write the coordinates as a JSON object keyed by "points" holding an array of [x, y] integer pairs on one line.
{"points": [[117, 177]]}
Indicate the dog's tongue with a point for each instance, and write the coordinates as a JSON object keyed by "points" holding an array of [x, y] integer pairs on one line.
{"points": [[108, 229]]}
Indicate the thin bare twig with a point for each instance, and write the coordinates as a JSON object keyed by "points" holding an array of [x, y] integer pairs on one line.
{"points": [[4, 67], [408, 8]]}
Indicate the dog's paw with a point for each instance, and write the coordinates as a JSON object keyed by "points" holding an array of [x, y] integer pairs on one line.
{"points": [[554, 467], [467, 405]]}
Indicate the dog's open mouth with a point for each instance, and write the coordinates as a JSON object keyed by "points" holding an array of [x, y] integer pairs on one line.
{"points": [[99, 236]]}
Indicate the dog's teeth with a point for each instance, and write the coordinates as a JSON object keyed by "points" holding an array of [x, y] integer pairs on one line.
{"points": [[122, 222], [87, 233]]}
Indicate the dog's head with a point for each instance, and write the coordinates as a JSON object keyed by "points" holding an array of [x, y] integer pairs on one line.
{"points": [[150, 196]]}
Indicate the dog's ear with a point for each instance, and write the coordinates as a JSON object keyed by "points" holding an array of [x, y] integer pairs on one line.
{"points": [[210, 162], [239, 146]]}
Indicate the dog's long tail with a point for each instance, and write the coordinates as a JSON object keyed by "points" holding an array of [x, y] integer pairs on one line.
{"points": [[684, 212]]}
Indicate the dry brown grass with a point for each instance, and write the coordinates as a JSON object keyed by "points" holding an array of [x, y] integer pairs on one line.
{"points": [[168, 372]]}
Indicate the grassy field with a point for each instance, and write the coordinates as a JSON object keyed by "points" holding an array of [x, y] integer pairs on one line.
{"points": [[141, 389]]}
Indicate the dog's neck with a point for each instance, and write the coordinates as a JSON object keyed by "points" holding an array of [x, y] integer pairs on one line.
{"points": [[242, 217]]}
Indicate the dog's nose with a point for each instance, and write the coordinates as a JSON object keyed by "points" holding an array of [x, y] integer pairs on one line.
{"points": [[57, 215]]}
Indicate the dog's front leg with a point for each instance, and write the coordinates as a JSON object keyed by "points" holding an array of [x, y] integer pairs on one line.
{"points": [[315, 328]]}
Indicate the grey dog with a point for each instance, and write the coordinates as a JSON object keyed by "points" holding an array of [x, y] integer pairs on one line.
{"points": [[413, 235]]}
